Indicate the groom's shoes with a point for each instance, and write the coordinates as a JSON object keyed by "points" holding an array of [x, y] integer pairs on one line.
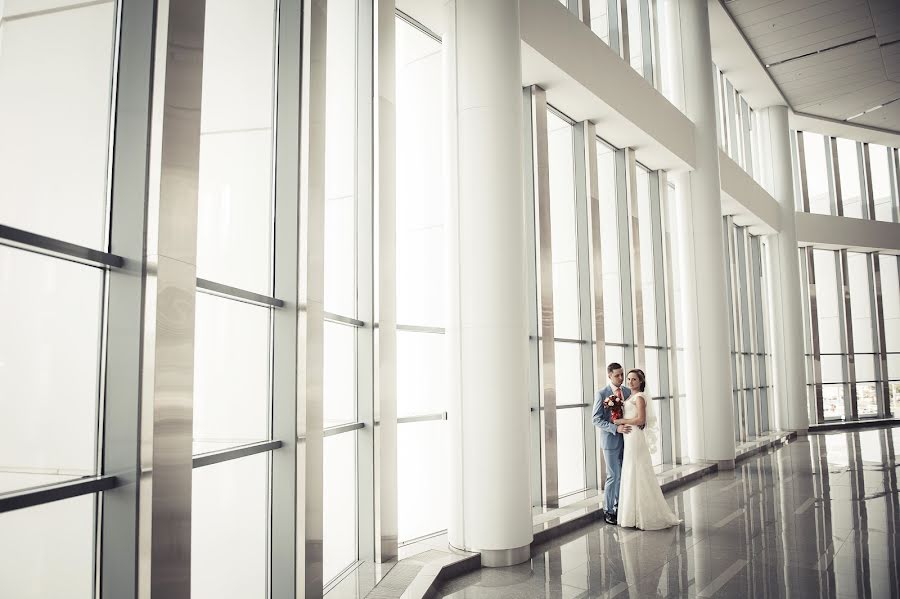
{"points": [[610, 518]]}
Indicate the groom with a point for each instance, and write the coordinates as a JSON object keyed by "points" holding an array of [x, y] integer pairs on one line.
{"points": [[611, 438]]}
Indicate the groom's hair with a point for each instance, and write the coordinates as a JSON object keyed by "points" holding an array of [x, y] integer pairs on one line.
{"points": [[613, 367]]}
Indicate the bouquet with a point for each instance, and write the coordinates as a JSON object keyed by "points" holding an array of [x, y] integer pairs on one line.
{"points": [[614, 404]]}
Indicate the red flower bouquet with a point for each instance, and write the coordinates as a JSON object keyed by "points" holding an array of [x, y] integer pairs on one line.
{"points": [[614, 404]]}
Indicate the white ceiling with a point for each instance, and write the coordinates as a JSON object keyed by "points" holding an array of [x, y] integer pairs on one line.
{"points": [[830, 58]]}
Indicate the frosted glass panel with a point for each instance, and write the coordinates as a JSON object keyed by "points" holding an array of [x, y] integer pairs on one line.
{"points": [[339, 518], [229, 529], [833, 369], [881, 182], [55, 76], [423, 484], [48, 550], [420, 199], [570, 449], [231, 373], [851, 188], [421, 373], [339, 383], [50, 332], [234, 229]]}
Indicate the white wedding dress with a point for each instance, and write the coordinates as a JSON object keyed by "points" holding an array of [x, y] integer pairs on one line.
{"points": [[641, 502]]}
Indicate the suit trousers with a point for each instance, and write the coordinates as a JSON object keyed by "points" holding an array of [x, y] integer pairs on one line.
{"points": [[614, 459]]}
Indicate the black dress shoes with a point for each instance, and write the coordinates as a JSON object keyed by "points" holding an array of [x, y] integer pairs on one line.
{"points": [[610, 518]]}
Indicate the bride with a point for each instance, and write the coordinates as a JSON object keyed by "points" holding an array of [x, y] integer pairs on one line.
{"points": [[641, 502]]}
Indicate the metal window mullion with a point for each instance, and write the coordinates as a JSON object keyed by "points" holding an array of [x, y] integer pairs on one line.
{"points": [[882, 374], [730, 120], [869, 198], [283, 549], [311, 294], [845, 317], [894, 155], [834, 180], [122, 540], [581, 9], [634, 251], [746, 114], [615, 26], [620, 9], [367, 375], [658, 186], [57, 248], [544, 279], [586, 192], [801, 163]]}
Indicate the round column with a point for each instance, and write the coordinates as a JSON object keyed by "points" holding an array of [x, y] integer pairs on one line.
{"points": [[710, 407], [787, 309], [487, 334]]}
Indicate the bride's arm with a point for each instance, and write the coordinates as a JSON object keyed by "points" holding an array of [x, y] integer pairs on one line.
{"points": [[638, 420]]}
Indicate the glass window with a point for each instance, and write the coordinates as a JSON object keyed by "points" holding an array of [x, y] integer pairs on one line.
{"points": [[229, 530], [635, 35], [339, 516], [860, 302], [833, 401], [570, 449], [648, 279], [568, 373], [423, 484], [421, 367], [48, 550], [340, 158], [231, 373], [890, 294], [55, 91], [420, 199], [50, 357], [879, 159], [851, 185], [609, 242], [600, 19], [339, 374], [866, 400], [816, 169], [827, 305], [234, 226], [563, 242]]}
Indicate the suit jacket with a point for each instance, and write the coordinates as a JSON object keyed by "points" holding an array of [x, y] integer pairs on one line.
{"points": [[602, 418]]}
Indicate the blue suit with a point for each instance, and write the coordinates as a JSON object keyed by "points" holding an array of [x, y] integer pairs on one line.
{"points": [[613, 445]]}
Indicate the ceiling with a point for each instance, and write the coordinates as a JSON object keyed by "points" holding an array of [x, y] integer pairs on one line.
{"points": [[838, 59]]}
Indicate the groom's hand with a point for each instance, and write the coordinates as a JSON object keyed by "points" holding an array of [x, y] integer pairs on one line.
{"points": [[624, 429]]}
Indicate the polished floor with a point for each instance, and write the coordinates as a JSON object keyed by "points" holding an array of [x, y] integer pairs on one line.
{"points": [[819, 517]]}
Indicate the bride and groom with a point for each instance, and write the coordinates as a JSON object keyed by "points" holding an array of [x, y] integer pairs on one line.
{"points": [[628, 433]]}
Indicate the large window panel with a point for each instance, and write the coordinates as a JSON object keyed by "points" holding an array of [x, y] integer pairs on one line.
{"points": [[234, 227], [600, 19], [229, 529], [49, 364], [827, 305], [568, 373], [816, 169], [860, 302], [421, 373], [340, 158], [420, 197], [231, 373], [563, 231], [609, 239], [339, 520], [55, 91], [339, 374], [851, 184], [879, 159], [48, 550], [635, 35], [570, 449], [833, 401], [890, 293], [648, 280], [423, 484]]}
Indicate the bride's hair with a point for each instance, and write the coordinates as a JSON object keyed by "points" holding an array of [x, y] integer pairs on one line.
{"points": [[641, 377]]}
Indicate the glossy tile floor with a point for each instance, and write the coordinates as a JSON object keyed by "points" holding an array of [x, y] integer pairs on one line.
{"points": [[818, 517]]}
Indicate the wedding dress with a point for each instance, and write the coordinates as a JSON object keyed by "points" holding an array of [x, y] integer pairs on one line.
{"points": [[641, 502]]}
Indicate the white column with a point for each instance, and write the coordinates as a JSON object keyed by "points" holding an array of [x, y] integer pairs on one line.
{"points": [[487, 331], [706, 319], [784, 288]]}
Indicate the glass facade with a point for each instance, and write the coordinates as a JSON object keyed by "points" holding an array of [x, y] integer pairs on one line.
{"points": [[64, 123]]}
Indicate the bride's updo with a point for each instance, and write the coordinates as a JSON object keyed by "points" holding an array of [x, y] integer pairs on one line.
{"points": [[640, 375]]}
